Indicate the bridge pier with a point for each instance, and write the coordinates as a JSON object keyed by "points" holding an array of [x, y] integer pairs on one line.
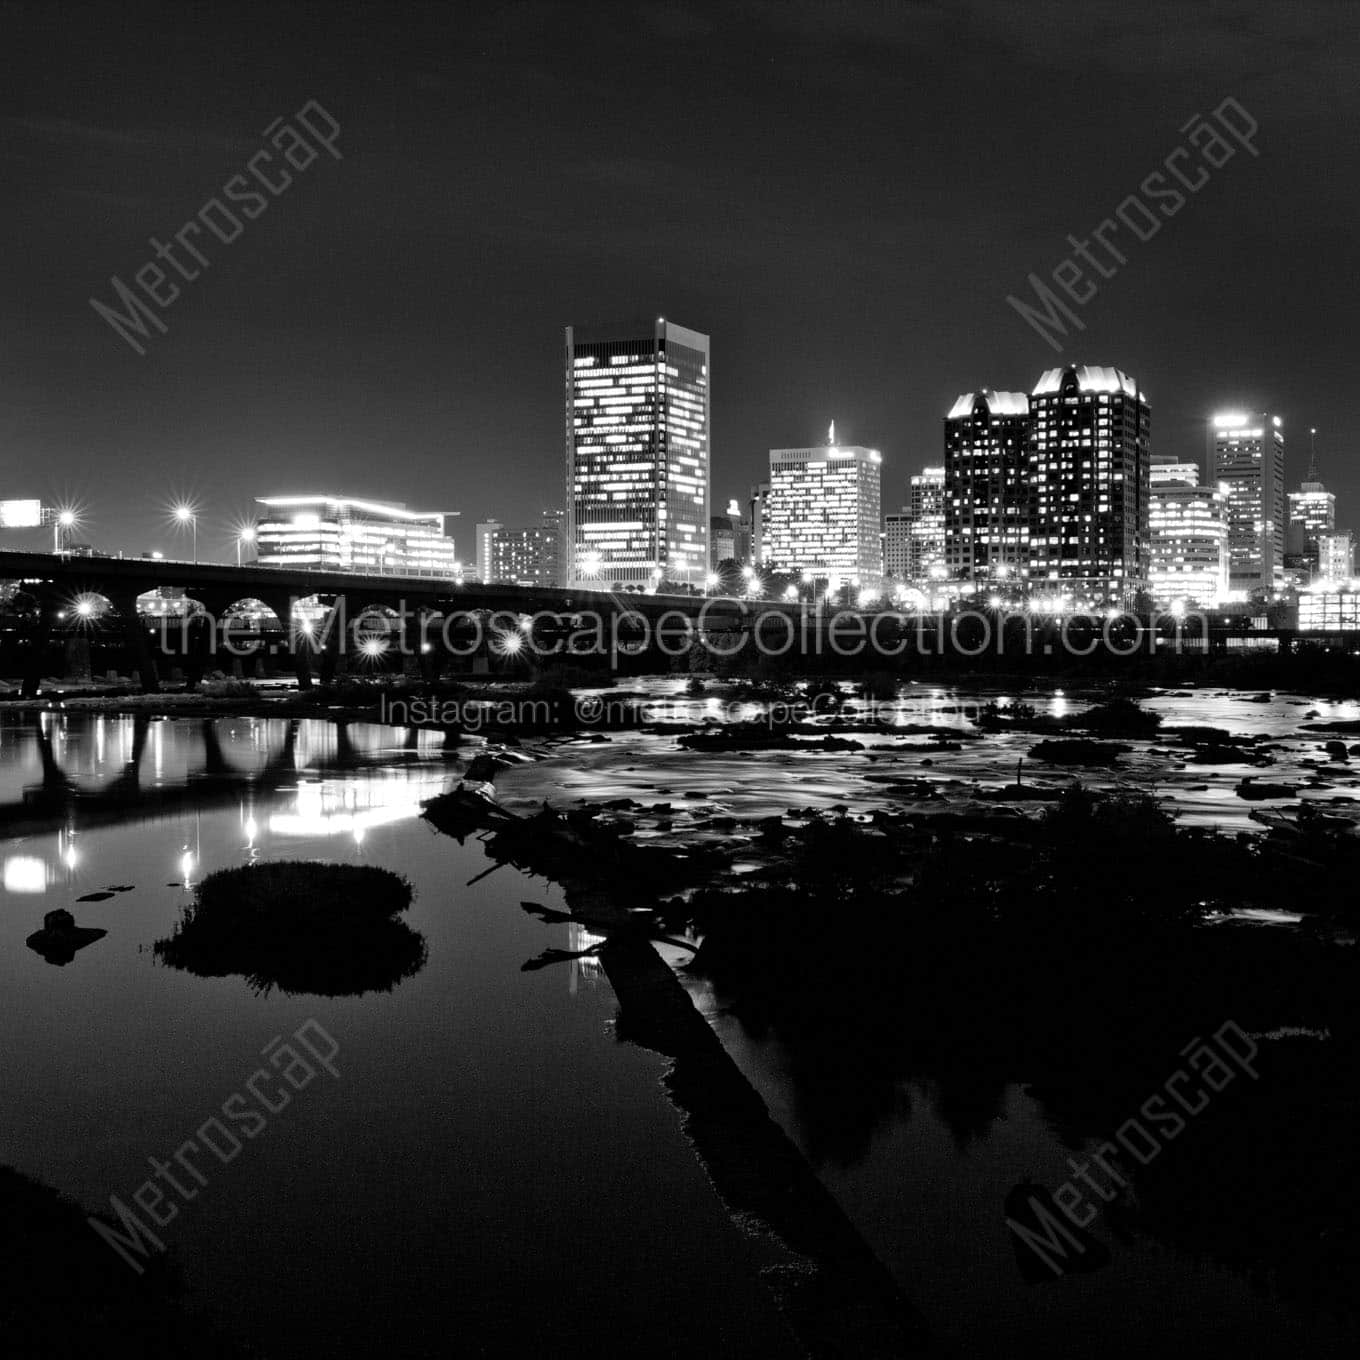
{"points": [[298, 644], [39, 636], [134, 632]]}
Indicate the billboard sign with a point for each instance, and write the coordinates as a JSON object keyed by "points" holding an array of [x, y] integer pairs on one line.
{"points": [[20, 514]]}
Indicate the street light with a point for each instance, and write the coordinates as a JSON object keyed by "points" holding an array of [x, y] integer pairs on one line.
{"points": [[184, 514], [62, 524], [247, 535]]}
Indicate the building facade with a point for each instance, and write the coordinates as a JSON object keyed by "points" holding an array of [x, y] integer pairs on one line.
{"points": [[637, 455], [897, 544], [340, 533], [1089, 473], [927, 547], [1336, 559], [1188, 525], [486, 533], [1312, 513], [988, 501], [1247, 452], [528, 556], [823, 513], [757, 514]]}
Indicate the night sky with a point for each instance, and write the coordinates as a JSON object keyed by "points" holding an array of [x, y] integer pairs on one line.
{"points": [[842, 196]]}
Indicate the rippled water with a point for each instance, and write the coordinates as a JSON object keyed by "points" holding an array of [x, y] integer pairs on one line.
{"points": [[650, 767]]}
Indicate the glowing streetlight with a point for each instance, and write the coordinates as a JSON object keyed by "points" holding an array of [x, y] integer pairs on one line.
{"points": [[247, 535], [590, 563], [185, 514]]}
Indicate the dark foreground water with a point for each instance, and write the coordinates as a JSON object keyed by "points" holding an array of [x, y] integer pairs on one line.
{"points": [[492, 1170]]}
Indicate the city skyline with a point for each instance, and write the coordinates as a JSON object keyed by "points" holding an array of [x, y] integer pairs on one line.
{"points": [[345, 334]]}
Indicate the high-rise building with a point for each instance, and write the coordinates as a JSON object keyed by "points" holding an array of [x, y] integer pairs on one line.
{"points": [[1312, 513], [637, 454], [757, 514], [340, 533], [925, 504], [486, 536], [824, 512], [1336, 559], [1089, 464], [897, 544], [528, 556], [987, 492], [1189, 535], [1247, 452]]}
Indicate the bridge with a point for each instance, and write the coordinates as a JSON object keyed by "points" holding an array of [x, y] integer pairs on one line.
{"points": [[57, 582], [416, 606]]}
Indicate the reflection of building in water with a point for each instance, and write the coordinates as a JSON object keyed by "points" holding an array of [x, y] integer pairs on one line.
{"points": [[587, 970]]}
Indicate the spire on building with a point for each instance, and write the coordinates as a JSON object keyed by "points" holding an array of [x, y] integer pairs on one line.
{"points": [[831, 435], [1312, 455]]}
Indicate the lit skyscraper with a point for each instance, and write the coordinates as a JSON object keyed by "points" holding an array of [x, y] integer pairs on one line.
{"points": [[987, 500], [757, 514], [486, 536], [823, 511], [1247, 452], [926, 537], [1312, 513], [637, 452], [1089, 464], [1189, 533], [897, 544]]}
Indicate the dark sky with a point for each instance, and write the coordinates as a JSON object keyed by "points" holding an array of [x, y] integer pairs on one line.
{"points": [[841, 195]]}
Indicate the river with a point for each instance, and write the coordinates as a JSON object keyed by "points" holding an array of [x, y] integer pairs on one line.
{"points": [[493, 1170]]}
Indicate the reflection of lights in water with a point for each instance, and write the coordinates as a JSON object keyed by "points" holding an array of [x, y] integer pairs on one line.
{"points": [[25, 874], [1058, 705], [186, 865], [588, 970], [336, 808]]}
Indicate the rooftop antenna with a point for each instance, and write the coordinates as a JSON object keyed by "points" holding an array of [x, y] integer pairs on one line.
{"points": [[831, 435], [1312, 455]]}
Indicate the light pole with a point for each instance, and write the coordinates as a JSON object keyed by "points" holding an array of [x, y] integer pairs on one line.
{"points": [[247, 535], [184, 514], [61, 525]]}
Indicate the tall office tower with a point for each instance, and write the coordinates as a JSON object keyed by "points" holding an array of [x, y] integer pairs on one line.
{"points": [[1312, 512], [823, 512], [1089, 469], [987, 500], [1247, 452], [897, 544], [485, 535], [340, 533], [925, 505], [1189, 533], [758, 515], [637, 446], [1336, 559]]}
